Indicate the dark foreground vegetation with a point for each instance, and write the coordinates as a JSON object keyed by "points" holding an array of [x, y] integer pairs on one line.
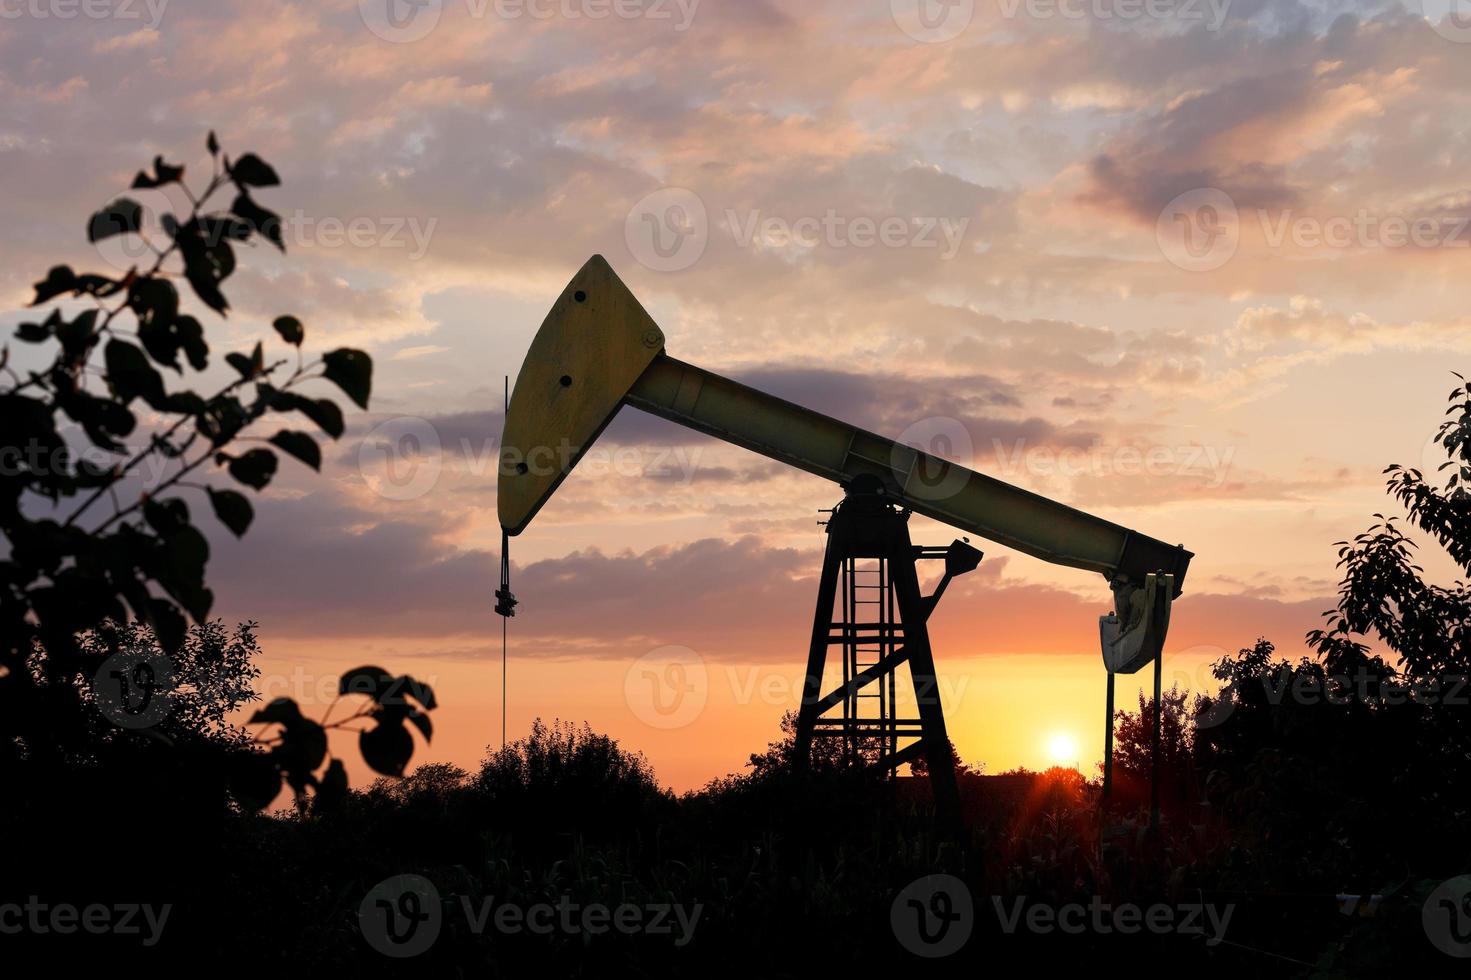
{"points": [[1274, 817]]}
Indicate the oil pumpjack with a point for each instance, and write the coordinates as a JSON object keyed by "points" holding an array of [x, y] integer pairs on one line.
{"points": [[598, 350]]}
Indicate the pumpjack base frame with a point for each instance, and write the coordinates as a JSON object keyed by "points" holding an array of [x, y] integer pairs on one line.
{"points": [[867, 526]]}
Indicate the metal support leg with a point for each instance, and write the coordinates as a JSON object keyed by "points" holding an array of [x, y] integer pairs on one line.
{"points": [[817, 653], [1159, 666], [1108, 742], [926, 688]]}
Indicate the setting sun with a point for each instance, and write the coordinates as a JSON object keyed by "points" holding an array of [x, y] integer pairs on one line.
{"points": [[1062, 749]]}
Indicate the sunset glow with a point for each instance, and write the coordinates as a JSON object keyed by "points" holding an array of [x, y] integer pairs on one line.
{"points": [[1062, 749]]}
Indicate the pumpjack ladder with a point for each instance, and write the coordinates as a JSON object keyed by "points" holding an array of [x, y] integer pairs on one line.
{"points": [[882, 626]]}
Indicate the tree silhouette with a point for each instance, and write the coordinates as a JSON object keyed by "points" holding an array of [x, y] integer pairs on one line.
{"points": [[1383, 594], [92, 548]]}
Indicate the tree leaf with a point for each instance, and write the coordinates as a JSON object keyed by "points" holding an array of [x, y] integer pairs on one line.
{"points": [[76, 336], [233, 509], [222, 420], [33, 333], [323, 411], [153, 300], [250, 366], [212, 144], [352, 371], [420, 692], [163, 173], [300, 445], [101, 418], [290, 329], [130, 374], [122, 215], [206, 264], [166, 516], [191, 339], [251, 171], [372, 681], [163, 339], [255, 468], [266, 223], [421, 721], [61, 279], [387, 748], [303, 747]]}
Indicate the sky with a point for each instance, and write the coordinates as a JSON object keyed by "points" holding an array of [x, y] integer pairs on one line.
{"points": [[1196, 267]]}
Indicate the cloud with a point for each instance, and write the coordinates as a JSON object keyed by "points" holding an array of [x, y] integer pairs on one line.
{"points": [[312, 567]]}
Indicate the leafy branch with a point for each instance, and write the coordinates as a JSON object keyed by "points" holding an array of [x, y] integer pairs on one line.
{"points": [[142, 558], [298, 744]]}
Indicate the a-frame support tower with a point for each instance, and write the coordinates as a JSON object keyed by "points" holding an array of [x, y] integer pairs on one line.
{"points": [[880, 626]]}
